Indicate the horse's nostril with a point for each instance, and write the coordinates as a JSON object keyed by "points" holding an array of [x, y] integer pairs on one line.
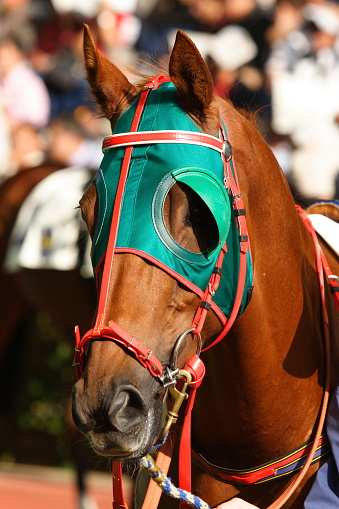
{"points": [[119, 408], [127, 409], [90, 425]]}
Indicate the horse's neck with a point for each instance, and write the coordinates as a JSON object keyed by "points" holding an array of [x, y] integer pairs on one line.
{"points": [[250, 374]]}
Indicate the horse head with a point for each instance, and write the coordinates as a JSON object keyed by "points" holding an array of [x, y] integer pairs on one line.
{"points": [[170, 233], [171, 228]]}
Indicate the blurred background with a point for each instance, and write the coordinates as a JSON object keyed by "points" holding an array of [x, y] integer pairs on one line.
{"points": [[277, 57]]}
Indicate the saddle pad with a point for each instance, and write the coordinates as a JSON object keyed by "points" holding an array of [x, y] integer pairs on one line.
{"points": [[327, 229], [48, 226]]}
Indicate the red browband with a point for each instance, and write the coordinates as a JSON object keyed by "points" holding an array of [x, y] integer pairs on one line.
{"points": [[149, 137]]}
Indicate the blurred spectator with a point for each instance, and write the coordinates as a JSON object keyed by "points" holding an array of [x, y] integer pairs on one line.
{"points": [[118, 30], [209, 15], [87, 8], [230, 54], [23, 94], [226, 52], [287, 18], [70, 145], [59, 61], [212, 15], [303, 69], [158, 18], [28, 148], [255, 19], [17, 18]]}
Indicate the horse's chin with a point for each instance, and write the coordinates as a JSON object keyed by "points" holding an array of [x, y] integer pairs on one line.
{"points": [[117, 452], [123, 456]]}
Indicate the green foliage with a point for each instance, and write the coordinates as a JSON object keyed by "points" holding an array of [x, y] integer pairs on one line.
{"points": [[35, 414]]}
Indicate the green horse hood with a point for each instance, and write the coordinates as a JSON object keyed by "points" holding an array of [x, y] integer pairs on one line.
{"points": [[154, 169]]}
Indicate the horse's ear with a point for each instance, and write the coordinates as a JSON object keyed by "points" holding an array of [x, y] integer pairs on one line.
{"points": [[190, 75], [112, 90]]}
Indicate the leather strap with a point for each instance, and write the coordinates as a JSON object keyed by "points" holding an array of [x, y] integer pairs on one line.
{"points": [[319, 256], [231, 182], [108, 265], [197, 369], [163, 461], [118, 491], [285, 465], [149, 137]]}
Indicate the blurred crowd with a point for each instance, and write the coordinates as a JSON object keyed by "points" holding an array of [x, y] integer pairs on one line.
{"points": [[280, 57]]}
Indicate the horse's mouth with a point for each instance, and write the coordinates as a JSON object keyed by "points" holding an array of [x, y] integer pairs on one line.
{"points": [[120, 450], [133, 445]]}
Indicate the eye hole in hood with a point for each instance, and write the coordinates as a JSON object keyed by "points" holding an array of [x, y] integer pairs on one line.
{"points": [[212, 193]]}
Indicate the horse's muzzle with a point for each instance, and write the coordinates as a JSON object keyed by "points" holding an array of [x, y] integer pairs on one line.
{"points": [[117, 421]]}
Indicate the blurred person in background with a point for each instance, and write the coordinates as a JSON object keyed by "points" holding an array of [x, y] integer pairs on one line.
{"points": [[18, 17], [256, 18], [209, 15], [114, 24], [118, 28], [237, 48], [28, 148], [212, 15], [232, 62], [70, 144], [23, 94], [303, 72], [229, 54], [59, 61], [24, 100], [287, 17], [158, 18]]}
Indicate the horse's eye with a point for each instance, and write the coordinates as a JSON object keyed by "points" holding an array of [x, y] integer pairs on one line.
{"points": [[196, 215]]}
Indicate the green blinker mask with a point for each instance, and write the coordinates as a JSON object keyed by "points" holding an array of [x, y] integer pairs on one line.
{"points": [[154, 169]]}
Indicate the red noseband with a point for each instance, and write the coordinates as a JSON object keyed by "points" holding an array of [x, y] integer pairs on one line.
{"points": [[115, 333]]}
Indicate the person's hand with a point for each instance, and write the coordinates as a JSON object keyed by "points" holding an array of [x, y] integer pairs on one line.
{"points": [[236, 503]]}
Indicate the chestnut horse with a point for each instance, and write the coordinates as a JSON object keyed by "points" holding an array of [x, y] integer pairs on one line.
{"points": [[263, 387]]}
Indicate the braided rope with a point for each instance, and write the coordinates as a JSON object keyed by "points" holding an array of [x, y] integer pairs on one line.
{"points": [[168, 487]]}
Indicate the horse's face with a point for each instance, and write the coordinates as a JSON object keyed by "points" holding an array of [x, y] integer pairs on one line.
{"points": [[117, 402]]}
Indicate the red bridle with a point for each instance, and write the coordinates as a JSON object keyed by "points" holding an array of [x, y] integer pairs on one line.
{"points": [[194, 367], [112, 331]]}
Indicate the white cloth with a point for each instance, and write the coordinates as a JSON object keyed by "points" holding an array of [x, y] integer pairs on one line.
{"points": [[327, 229], [47, 228]]}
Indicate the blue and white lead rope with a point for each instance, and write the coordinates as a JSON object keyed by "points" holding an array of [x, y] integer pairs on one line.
{"points": [[168, 487]]}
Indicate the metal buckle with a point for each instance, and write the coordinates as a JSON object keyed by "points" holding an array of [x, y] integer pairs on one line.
{"points": [[169, 378], [150, 352], [179, 396], [148, 86], [227, 150]]}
